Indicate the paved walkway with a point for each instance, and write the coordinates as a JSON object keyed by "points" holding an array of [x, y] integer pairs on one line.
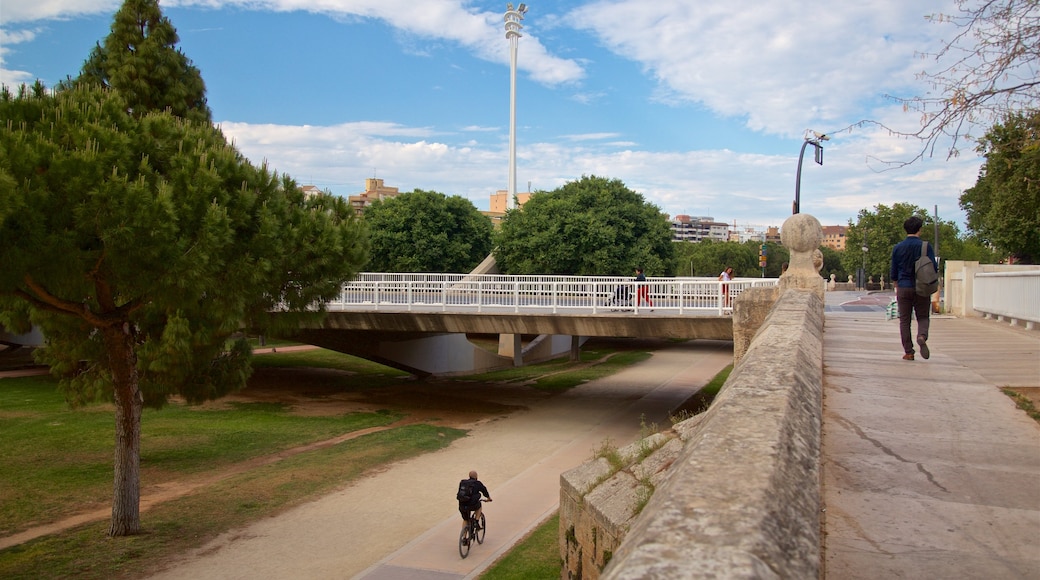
{"points": [[402, 523], [929, 471]]}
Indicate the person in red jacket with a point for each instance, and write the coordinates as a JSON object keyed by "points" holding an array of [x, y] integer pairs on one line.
{"points": [[642, 290]]}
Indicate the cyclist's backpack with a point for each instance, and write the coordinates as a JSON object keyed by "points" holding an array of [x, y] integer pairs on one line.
{"points": [[926, 279], [465, 493]]}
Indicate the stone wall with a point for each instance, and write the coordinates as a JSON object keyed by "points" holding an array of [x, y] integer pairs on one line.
{"points": [[733, 492]]}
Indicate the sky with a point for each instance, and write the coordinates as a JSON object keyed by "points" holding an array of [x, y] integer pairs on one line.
{"points": [[701, 107]]}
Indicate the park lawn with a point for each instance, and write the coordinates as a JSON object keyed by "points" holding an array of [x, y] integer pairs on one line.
{"points": [[59, 461], [536, 557], [174, 527]]}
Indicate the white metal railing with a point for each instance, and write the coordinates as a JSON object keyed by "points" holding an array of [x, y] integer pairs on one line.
{"points": [[1014, 295], [490, 293]]}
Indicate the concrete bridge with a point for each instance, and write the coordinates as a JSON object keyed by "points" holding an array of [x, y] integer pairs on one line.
{"points": [[420, 322]]}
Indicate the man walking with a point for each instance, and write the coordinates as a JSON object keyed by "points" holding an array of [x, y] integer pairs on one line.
{"points": [[642, 290], [904, 254]]}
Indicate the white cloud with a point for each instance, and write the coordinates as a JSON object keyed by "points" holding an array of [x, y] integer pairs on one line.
{"points": [[34, 10], [10, 77], [754, 188], [782, 66], [481, 32], [778, 67]]}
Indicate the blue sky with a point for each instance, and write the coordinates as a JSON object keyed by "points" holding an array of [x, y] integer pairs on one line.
{"points": [[700, 106]]}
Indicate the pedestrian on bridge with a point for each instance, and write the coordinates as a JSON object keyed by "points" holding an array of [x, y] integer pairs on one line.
{"points": [[642, 289], [904, 254], [725, 278]]}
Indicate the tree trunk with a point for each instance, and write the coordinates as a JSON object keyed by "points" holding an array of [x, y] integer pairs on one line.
{"points": [[126, 498]]}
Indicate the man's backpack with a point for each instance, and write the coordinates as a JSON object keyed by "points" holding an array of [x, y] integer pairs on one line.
{"points": [[926, 279], [465, 493]]}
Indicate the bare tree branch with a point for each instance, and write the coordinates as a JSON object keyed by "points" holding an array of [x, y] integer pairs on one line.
{"points": [[988, 70]]}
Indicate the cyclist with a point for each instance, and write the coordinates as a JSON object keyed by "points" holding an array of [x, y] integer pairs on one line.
{"points": [[469, 497]]}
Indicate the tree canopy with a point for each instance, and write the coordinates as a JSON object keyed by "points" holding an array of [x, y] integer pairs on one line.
{"points": [[1003, 207], [140, 243], [708, 258], [426, 231], [138, 59], [881, 229], [592, 226]]}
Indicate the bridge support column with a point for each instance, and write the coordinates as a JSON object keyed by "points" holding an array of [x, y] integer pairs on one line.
{"points": [[575, 348], [518, 351], [511, 345]]}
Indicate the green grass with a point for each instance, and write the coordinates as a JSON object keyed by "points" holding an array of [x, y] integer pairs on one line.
{"points": [[536, 557], [326, 359], [175, 527], [700, 401], [57, 461], [69, 463], [1022, 402]]}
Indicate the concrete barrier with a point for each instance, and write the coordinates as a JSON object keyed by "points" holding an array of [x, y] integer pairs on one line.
{"points": [[733, 492]]}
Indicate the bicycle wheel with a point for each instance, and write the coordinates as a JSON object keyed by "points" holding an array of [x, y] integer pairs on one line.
{"points": [[464, 541], [481, 530]]}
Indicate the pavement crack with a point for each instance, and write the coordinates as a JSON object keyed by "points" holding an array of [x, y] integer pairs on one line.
{"points": [[884, 449], [931, 478]]}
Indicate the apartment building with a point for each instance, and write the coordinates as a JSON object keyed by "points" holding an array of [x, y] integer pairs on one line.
{"points": [[374, 191], [834, 237], [310, 190], [697, 228]]}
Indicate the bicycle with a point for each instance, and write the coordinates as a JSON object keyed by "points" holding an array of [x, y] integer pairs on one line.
{"points": [[473, 530]]}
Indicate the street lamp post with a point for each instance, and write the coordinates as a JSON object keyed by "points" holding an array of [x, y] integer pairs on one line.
{"points": [[863, 272], [815, 141], [513, 27]]}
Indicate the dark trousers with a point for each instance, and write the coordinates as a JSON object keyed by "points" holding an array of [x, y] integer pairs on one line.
{"points": [[908, 301]]}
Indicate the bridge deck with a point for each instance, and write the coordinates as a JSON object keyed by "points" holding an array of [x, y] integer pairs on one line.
{"points": [[928, 469]]}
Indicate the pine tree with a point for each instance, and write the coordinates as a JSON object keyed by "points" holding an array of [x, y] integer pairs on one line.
{"points": [[140, 243], [139, 59]]}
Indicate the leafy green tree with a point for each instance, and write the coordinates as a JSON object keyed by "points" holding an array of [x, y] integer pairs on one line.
{"points": [[1003, 207], [139, 244], [426, 231], [832, 265], [139, 59], [592, 226], [881, 229], [971, 248], [878, 231], [776, 255], [709, 257]]}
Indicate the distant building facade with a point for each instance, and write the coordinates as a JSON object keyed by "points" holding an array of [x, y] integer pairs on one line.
{"points": [[834, 237], [310, 190], [374, 191], [500, 201], [698, 228], [499, 204]]}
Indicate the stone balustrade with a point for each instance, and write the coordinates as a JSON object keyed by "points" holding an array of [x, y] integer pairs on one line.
{"points": [[733, 492]]}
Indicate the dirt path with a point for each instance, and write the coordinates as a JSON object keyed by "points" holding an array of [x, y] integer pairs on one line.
{"points": [[404, 517]]}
